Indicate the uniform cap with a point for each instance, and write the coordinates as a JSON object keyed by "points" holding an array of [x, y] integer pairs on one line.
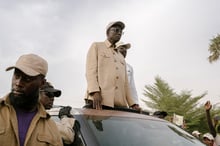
{"points": [[196, 132], [47, 87], [127, 46], [31, 65], [209, 136], [121, 24]]}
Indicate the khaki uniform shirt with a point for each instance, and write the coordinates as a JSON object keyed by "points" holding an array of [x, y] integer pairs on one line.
{"points": [[42, 131], [65, 127], [106, 72]]}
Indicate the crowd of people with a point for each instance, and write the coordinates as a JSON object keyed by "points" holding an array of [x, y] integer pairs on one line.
{"points": [[211, 138]]}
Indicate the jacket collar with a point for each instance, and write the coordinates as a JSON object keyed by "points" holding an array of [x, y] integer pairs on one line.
{"points": [[42, 112], [108, 44], [5, 100]]}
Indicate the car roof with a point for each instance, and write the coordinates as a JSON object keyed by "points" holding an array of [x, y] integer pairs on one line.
{"points": [[111, 113]]}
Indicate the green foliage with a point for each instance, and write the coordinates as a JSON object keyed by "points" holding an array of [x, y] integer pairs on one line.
{"points": [[214, 49], [162, 97]]}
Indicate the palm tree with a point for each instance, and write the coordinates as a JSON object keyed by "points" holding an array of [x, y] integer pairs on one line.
{"points": [[214, 49], [162, 97]]}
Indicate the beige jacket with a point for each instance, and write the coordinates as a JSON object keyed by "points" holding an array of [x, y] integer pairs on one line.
{"points": [[65, 127], [106, 72], [42, 131]]}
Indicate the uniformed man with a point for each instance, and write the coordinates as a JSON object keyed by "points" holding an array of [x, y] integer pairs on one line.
{"points": [[23, 120], [107, 82], [66, 123]]}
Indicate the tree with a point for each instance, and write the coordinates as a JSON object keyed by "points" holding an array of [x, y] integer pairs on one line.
{"points": [[162, 97], [214, 49]]}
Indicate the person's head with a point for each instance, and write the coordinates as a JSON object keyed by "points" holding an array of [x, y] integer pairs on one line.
{"points": [[208, 139], [29, 75], [160, 114], [122, 48], [216, 119], [196, 133], [114, 31], [47, 94]]}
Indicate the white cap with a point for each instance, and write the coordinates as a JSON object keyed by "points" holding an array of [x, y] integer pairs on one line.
{"points": [[127, 46], [209, 136], [196, 132], [120, 23]]}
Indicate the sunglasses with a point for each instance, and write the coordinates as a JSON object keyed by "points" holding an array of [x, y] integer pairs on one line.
{"points": [[48, 94]]}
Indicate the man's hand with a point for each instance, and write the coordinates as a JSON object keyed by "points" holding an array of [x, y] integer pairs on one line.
{"points": [[208, 106], [65, 111], [136, 107], [97, 99]]}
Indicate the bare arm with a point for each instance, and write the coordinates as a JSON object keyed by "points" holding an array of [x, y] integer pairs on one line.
{"points": [[208, 107]]}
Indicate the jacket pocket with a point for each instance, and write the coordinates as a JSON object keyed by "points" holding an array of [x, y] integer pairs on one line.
{"points": [[6, 137], [2, 131], [47, 139], [105, 55]]}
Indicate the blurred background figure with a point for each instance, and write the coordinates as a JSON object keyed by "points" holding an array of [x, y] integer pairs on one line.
{"points": [[214, 127], [216, 119], [196, 133], [208, 139], [160, 114]]}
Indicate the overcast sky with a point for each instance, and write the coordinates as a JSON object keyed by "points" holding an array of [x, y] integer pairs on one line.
{"points": [[169, 38]]}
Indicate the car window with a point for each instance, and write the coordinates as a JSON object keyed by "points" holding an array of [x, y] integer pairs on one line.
{"points": [[115, 131]]}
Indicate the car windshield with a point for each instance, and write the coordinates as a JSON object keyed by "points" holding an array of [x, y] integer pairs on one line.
{"points": [[117, 131]]}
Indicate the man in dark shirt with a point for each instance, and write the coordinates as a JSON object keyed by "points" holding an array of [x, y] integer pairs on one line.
{"points": [[23, 119]]}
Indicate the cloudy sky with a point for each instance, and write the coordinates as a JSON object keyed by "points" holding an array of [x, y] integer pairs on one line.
{"points": [[169, 38]]}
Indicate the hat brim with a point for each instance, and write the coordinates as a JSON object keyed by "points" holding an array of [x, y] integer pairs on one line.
{"points": [[119, 23], [25, 70], [56, 92], [196, 133], [208, 137], [127, 46]]}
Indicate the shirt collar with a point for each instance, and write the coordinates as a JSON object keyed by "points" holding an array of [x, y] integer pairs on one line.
{"points": [[109, 45]]}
